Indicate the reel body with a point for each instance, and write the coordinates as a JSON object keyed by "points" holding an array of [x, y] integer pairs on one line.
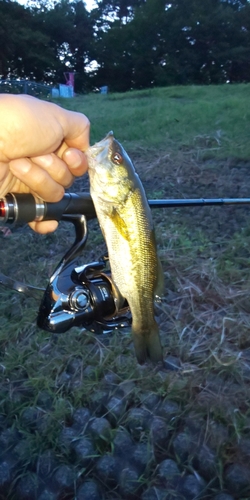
{"points": [[81, 295], [78, 294]]}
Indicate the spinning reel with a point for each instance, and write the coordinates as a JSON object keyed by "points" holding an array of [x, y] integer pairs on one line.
{"points": [[79, 295]]}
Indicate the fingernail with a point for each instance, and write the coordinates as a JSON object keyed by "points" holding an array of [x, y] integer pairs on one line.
{"points": [[21, 166], [73, 159]]}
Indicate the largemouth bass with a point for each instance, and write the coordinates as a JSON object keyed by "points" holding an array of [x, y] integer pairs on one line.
{"points": [[126, 223]]}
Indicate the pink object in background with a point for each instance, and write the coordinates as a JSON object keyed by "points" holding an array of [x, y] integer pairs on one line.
{"points": [[70, 79]]}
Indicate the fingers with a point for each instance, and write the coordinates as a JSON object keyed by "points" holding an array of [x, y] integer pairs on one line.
{"points": [[8, 182], [37, 179], [44, 227], [3, 171], [76, 161], [47, 175], [63, 170], [47, 152], [55, 167], [73, 164]]}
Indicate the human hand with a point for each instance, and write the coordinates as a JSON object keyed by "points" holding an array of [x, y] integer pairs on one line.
{"points": [[41, 149]]}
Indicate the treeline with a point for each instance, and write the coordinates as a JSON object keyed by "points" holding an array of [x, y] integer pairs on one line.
{"points": [[126, 44]]}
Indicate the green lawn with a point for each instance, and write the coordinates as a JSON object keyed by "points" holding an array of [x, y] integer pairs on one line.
{"points": [[209, 117]]}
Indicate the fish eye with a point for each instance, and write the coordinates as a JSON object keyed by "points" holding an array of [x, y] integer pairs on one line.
{"points": [[117, 158]]}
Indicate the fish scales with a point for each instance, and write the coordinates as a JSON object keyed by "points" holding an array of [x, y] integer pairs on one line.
{"points": [[126, 222], [134, 267]]}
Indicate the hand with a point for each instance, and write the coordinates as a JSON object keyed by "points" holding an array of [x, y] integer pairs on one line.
{"points": [[41, 149]]}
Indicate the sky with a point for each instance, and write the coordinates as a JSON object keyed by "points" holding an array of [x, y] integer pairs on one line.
{"points": [[90, 4]]}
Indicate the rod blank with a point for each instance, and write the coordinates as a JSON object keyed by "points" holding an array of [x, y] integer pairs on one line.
{"points": [[16, 207], [197, 202]]}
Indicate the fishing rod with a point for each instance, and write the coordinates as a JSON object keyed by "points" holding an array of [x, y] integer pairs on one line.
{"points": [[79, 295], [25, 208]]}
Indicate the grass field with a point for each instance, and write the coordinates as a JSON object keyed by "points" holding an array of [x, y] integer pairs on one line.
{"points": [[192, 413], [173, 118]]}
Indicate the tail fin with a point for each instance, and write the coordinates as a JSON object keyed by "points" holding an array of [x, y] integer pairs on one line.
{"points": [[147, 344]]}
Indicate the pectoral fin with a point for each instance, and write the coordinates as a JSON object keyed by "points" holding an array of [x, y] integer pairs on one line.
{"points": [[119, 224]]}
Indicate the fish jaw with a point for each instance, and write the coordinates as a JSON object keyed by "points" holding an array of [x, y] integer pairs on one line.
{"points": [[98, 154], [103, 145], [110, 182]]}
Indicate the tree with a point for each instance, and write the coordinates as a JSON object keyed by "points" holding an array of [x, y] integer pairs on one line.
{"points": [[217, 39], [70, 29], [24, 50], [119, 9], [136, 43]]}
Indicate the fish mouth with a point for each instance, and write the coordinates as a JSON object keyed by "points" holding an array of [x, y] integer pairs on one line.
{"points": [[102, 147]]}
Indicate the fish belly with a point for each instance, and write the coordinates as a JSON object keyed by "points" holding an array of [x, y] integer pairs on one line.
{"points": [[129, 236]]}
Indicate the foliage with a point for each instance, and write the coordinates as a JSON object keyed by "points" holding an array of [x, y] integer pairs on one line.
{"points": [[24, 48], [127, 44]]}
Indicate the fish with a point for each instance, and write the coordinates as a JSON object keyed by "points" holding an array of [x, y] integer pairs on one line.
{"points": [[126, 222]]}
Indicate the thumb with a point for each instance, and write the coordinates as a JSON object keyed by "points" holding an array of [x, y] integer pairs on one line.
{"points": [[76, 129]]}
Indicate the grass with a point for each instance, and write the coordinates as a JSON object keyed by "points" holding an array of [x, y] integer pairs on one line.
{"points": [[173, 118], [172, 134]]}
